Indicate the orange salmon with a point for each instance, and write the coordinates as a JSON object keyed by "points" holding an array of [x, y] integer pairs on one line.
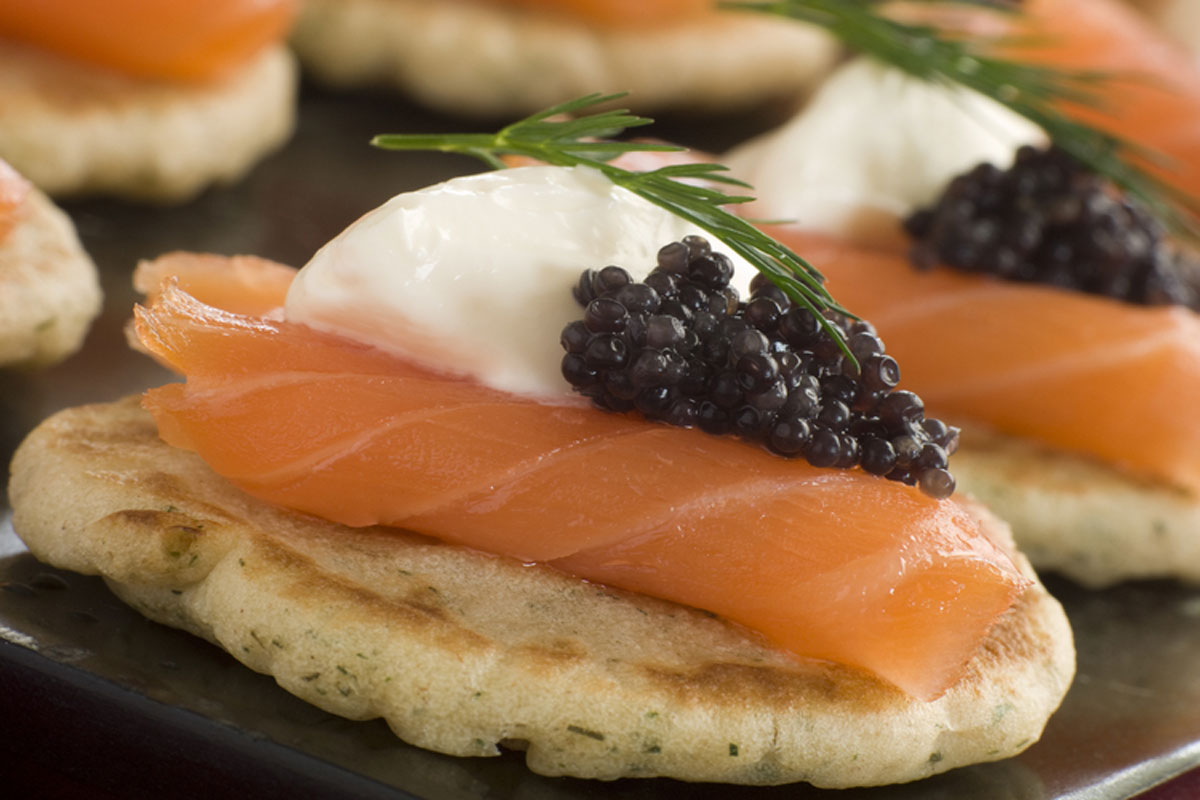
{"points": [[619, 13], [1082, 372], [181, 40], [241, 284], [1153, 96], [844, 566]]}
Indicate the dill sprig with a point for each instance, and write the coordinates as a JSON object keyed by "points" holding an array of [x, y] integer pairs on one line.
{"points": [[566, 135], [1035, 92]]}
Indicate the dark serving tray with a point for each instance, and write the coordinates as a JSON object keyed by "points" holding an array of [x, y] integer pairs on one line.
{"points": [[97, 702]]}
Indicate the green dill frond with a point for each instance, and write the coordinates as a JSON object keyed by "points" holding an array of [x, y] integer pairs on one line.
{"points": [[689, 191]]}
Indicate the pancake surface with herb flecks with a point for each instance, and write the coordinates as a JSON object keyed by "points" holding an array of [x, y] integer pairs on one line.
{"points": [[489, 58]]}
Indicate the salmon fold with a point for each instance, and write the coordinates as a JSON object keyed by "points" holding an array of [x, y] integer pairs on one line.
{"points": [[183, 41], [1086, 374], [833, 565]]}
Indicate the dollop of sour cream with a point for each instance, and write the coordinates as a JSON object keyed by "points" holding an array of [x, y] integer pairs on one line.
{"points": [[473, 276], [871, 146]]}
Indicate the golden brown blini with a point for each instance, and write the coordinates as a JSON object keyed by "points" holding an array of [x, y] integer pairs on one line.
{"points": [[1080, 517], [75, 129], [49, 292], [462, 652], [483, 59]]}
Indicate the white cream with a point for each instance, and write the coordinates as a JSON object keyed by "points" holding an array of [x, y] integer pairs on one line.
{"points": [[871, 146], [474, 275]]}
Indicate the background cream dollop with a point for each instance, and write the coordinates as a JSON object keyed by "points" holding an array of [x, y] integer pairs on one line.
{"points": [[872, 145], [473, 276]]}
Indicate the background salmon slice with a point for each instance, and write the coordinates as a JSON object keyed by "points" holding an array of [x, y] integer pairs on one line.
{"points": [[1153, 96], [184, 40], [1080, 372], [619, 13], [845, 567]]}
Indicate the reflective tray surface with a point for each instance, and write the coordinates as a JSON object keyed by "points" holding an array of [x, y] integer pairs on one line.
{"points": [[121, 706]]}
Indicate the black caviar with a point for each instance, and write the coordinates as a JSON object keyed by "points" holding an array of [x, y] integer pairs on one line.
{"points": [[682, 347], [1048, 219]]}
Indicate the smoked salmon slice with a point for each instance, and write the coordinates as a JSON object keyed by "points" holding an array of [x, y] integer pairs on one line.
{"points": [[619, 13], [241, 284], [184, 40], [13, 191], [1151, 96], [1082, 372], [828, 564]]}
